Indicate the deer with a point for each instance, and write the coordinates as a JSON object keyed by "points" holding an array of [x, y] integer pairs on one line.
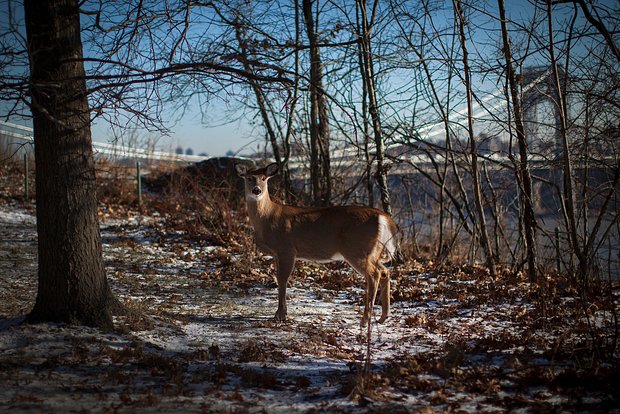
{"points": [[356, 234]]}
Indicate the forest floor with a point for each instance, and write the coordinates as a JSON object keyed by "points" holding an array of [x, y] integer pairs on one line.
{"points": [[205, 341]]}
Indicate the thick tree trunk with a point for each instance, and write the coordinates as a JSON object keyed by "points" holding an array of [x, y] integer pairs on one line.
{"points": [[72, 283]]}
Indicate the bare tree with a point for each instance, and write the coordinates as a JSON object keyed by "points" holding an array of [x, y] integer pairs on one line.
{"points": [[397, 73], [568, 199], [319, 125], [264, 108], [368, 79], [473, 152], [582, 242], [442, 157], [523, 175], [591, 14]]}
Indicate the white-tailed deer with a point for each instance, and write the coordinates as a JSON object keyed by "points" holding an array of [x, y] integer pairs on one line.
{"points": [[356, 234]]}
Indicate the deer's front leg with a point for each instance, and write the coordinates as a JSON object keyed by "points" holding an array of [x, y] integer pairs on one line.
{"points": [[372, 285], [285, 264]]}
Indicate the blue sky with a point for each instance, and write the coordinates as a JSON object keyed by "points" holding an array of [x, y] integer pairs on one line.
{"points": [[216, 137], [225, 131], [190, 132]]}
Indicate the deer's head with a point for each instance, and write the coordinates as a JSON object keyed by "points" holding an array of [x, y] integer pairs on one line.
{"points": [[256, 180]]}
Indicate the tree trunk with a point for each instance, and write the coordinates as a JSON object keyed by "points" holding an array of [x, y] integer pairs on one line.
{"points": [[524, 177], [369, 81], [264, 112], [320, 173], [370, 202], [568, 199], [473, 152], [442, 174], [72, 284]]}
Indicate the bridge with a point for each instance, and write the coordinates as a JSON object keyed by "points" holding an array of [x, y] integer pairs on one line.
{"points": [[18, 140], [537, 90]]}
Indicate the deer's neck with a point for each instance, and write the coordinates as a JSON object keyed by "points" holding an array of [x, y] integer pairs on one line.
{"points": [[261, 209]]}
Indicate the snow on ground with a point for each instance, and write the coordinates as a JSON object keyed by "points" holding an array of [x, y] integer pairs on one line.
{"points": [[206, 341]]}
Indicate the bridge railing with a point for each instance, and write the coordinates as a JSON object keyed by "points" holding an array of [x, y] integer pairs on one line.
{"points": [[16, 140]]}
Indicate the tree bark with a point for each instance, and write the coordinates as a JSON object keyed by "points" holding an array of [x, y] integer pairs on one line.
{"points": [[369, 82], [568, 197], [524, 177], [320, 173], [473, 152], [365, 125], [72, 284]]}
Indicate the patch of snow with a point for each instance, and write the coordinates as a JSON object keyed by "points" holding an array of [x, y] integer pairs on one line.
{"points": [[210, 344], [15, 215]]}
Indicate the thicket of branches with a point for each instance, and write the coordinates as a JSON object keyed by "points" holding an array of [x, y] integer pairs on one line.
{"points": [[388, 103]]}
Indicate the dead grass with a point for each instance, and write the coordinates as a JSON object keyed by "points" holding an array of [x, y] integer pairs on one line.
{"points": [[466, 342]]}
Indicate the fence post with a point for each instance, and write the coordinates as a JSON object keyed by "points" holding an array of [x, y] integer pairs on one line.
{"points": [[26, 189], [558, 262], [139, 183]]}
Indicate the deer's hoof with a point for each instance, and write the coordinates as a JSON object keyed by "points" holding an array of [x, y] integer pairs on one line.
{"points": [[280, 316]]}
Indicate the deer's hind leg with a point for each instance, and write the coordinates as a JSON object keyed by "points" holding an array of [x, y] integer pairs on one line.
{"points": [[385, 293], [372, 276]]}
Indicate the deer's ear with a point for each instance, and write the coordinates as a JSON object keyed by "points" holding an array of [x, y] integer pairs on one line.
{"points": [[272, 169], [241, 169]]}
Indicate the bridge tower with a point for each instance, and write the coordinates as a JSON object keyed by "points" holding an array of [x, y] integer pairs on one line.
{"points": [[542, 122], [541, 115]]}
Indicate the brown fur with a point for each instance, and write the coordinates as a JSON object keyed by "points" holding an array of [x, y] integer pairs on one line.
{"points": [[318, 234]]}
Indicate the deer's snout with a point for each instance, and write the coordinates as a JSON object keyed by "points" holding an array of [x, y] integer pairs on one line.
{"points": [[256, 191]]}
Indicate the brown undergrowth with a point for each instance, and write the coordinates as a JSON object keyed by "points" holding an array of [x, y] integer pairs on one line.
{"points": [[458, 340]]}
